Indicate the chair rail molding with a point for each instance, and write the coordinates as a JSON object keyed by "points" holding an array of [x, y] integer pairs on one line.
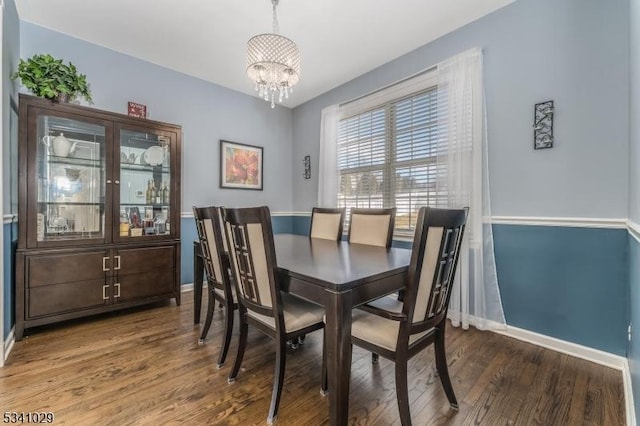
{"points": [[10, 218], [634, 229], [579, 222]]}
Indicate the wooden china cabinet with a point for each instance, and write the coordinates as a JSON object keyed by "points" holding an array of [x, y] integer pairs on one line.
{"points": [[98, 212]]}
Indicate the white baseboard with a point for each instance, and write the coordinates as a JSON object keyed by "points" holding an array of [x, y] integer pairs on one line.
{"points": [[629, 406], [594, 355]]}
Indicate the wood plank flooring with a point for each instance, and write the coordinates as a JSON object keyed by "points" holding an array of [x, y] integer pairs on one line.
{"points": [[146, 368]]}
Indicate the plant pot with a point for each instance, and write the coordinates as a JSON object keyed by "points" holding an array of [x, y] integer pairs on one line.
{"points": [[62, 98]]}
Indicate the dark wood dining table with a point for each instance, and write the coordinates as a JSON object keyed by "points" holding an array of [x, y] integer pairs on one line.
{"points": [[338, 276]]}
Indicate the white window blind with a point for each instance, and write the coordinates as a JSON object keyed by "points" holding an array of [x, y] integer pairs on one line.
{"points": [[387, 156]]}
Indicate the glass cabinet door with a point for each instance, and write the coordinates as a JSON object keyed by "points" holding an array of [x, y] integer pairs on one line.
{"points": [[70, 178], [145, 184]]}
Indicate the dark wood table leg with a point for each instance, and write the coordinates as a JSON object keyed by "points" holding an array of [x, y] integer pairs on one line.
{"points": [[338, 333], [198, 275]]}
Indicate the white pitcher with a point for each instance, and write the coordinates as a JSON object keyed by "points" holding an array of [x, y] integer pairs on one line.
{"points": [[60, 145]]}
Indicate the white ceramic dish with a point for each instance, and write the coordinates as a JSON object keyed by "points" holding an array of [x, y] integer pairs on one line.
{"points": [[154, 156]]}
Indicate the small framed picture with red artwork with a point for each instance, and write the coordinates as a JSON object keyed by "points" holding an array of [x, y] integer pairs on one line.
{"points": [[136, 110], [240, 166]]}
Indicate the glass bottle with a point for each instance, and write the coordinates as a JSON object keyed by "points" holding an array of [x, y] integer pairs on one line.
{"points": [[157, 194], [149, 194], [165, 194]]}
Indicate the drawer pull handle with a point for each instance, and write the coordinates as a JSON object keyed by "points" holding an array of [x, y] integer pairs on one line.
{"points": [[117, 286], [117, 182], [117, 267], [105, 288], [108, 180], [104, 263]]}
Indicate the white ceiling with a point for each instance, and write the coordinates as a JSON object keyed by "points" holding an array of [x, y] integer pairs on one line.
{"points": [[338, 39]]}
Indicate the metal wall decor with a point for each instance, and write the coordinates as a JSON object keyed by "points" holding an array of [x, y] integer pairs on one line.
{"points": [[307, 166], [543, 125]]}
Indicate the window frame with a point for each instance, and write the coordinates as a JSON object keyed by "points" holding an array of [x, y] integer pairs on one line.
{"points": [[386, 99]]}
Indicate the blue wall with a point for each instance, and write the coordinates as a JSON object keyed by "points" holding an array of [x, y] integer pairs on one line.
{"points": [[206, 112], [9, 246], [534, 50], [567, 283], [633, 351]]}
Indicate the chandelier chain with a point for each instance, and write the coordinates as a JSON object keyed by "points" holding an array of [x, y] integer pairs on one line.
{"points": [[275, 25]]}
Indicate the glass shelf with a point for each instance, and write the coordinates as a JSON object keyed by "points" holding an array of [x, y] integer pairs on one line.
{"points": [[144, 168], [71, 161], [68, 203]]}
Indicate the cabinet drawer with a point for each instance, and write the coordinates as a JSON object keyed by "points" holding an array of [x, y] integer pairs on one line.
{"points": [[61, 298], [146, 284], [146, 259], [64, 268]]}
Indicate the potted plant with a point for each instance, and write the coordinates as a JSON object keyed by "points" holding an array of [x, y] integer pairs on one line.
{"points": [[50, 78]]}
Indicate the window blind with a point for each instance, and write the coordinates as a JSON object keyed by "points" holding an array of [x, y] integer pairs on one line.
{"points": [[388, 157]]}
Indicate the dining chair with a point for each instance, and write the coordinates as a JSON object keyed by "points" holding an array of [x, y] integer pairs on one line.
{"points": [[398, 330], [262, 304], [372, 226], [327, 223], [216, 263]]}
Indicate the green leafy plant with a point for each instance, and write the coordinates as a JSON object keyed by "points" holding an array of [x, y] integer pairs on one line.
{"points": [[50, 78]]}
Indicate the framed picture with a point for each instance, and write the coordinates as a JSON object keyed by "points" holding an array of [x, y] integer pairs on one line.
{"points": [[240, 166], [135, 109]]}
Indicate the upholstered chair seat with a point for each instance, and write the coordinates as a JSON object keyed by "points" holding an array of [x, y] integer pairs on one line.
{"points": [[298, 314], [380, 331]]}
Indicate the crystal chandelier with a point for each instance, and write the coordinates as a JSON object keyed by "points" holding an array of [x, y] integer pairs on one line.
{"points": [[273, 63]]}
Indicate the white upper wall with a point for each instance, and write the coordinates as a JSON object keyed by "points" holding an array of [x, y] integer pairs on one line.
{"points": [[573, 52]]}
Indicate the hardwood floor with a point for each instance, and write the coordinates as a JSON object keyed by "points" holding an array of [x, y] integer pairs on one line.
{"points": [[146, 367]]}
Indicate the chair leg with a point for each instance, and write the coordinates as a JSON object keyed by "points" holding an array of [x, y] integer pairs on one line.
{"points": [[211, 305], [324, 385], [443, 370], [278, 379], [374, 358], [242, 343], [228, 330], [402, 392]]}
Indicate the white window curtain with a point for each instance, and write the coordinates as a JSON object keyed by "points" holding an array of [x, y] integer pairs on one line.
{"points": [[328, 167], [462, 179], [475, 298]]}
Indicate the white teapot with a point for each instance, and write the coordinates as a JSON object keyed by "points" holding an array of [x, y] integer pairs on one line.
{"points": [[60, 145]]}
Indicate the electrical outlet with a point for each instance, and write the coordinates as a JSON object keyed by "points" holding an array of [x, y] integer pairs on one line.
{"points": [[629, 332]]}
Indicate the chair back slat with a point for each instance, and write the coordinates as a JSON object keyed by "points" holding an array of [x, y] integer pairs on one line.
{"points": [[434, 258], [372, 226], [252, 252], [327, 223], [209, 230]]}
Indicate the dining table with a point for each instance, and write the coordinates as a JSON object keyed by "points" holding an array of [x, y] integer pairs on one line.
{"points": [[339, 276]]}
